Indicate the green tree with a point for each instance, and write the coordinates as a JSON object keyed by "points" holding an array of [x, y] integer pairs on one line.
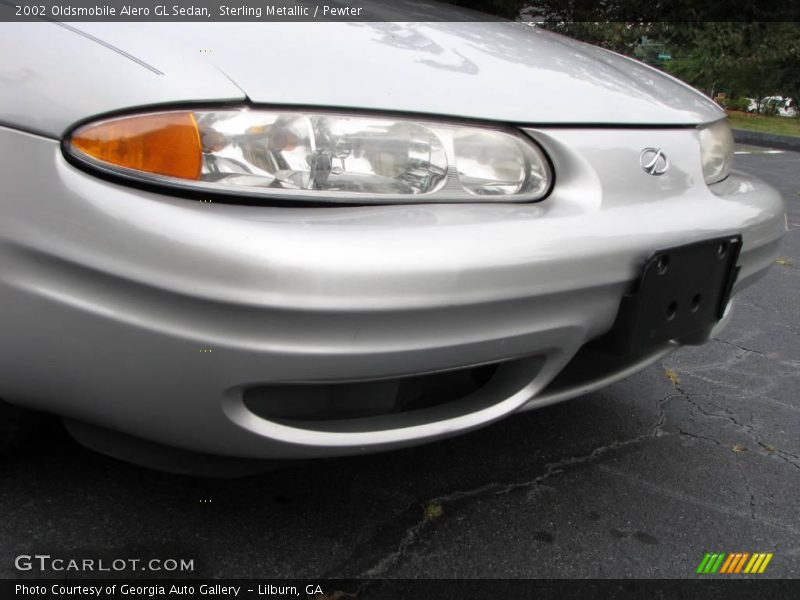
{"points": [[753, 59], [756, 56], [740, 58]]}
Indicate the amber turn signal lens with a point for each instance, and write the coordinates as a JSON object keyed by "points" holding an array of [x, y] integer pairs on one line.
{"points": [[164, 143]]}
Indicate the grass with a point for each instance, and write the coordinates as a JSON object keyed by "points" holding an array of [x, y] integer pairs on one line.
{"points": [[778, 125], [673, 377], [433, 510]]}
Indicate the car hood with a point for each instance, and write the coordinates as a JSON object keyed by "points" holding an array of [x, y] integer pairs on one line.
{"points": [[499, 71]]}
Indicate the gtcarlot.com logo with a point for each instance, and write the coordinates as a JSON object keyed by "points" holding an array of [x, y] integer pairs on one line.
{"points": [[734, 563], [48, 563]]}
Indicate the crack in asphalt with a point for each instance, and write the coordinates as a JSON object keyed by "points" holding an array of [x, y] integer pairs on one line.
{"points": [[762, 393], [552, 469], [747, 429], [699, 437], [671, 492], [411, 535], [735, 345], [382, 566], [752, 502]]}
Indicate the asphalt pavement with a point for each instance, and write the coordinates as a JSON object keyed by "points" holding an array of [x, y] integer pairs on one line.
{"points": [[700, 453]]}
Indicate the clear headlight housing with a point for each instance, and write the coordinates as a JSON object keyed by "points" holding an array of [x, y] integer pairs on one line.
{"points": [[716, 151], [316, 156]]}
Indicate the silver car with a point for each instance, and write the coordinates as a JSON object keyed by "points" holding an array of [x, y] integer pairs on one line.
{"points": [[299, 240]]}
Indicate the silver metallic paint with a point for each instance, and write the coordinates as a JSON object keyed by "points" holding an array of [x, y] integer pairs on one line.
{"points": [[109, 294], [499, 71]]}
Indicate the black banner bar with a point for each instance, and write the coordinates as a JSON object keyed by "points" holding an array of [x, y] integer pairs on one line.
{"points": [[553, 11], [706, 587]]}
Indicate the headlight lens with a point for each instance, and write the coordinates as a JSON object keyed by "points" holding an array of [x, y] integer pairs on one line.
{"points": [[493, 163], [716, 151], [314, 156]]}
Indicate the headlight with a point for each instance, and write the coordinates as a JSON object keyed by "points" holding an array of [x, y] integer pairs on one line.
{"points": [[716, 151], [314, 156]]}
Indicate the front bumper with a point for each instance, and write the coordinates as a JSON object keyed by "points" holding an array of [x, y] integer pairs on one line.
{"points": [[150, 315]]}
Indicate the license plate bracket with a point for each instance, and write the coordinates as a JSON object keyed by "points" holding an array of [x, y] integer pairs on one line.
{"points": [[680, 295]]}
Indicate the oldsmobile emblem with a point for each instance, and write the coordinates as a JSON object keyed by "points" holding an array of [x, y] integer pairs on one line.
{"points": [[653, 161]]}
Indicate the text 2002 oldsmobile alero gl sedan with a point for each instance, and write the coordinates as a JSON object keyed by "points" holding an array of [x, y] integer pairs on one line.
{"points": [[216, 242]]}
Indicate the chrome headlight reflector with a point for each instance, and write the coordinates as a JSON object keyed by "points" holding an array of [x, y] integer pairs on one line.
{"points": [[716, 151], [316, 156]]}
